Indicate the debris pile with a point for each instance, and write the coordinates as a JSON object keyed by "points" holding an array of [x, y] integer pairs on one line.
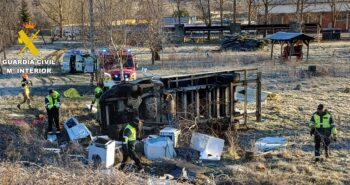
{"points": [[242, 43]]}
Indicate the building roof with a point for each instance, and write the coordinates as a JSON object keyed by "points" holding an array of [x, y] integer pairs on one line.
{"points": [[283, 36], [308, 8]]}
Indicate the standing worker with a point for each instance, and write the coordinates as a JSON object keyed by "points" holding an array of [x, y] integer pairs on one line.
{"points": [[52, 104], [129, 142], [322, 126], [98, 93], [170, 109], [26, 84]]}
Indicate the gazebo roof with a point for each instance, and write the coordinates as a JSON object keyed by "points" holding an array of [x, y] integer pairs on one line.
{"points": [[284, 36]]}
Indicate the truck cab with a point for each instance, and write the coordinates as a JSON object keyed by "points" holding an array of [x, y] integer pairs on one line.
{"points": [[109, 60]]}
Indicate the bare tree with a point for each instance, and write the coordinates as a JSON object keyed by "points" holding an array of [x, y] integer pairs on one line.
{"points": [[335, 6], [178, 5], [301, 6], [56, 11], [250, 4], [267, 7], [8, 22], [205, 8], [234, 11]]}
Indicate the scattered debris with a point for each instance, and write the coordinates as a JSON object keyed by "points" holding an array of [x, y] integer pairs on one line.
{"points": [[346, 90], [54, 150], [242, 43], [251, 96], [71, 93], [52, 137], [93, 110], [270, 143], [187, 154], [102, 151], [210, 148], [167, 176], [159, 147], [298, 87], [76, 130], [172, 133]]}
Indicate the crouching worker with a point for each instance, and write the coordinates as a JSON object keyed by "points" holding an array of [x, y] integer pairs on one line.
{"points": [[96, 99], [322, 126], [52, 104], [129, 142]]}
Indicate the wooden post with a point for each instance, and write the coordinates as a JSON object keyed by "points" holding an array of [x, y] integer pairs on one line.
{"points": [[184, 103], [245, 96], [210, 103], [258, 97], [227, 101], [197, 104], [217, 102], [307, 52], [281, 48], [272, 43], [232, 102], [291, 49]]}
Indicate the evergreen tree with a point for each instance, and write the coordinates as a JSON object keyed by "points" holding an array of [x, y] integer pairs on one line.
{"points": [[24, 12]]}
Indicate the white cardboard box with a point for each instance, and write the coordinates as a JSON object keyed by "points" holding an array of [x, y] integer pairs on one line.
{"points": [[210, 147]]}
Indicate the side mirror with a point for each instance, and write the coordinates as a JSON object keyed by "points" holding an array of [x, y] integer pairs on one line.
{"points": [[136, 65]]}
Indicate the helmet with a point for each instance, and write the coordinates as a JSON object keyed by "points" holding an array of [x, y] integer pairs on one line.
{"points": [[25, 75]]}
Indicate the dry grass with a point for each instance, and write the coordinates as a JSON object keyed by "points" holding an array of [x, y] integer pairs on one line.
{"points": [[17, 173], [285, 114]]}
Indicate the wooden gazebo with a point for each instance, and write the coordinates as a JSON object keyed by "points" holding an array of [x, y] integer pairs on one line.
{"points": [[294, 43]]}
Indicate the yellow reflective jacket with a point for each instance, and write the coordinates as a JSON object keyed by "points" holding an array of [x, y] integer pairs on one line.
{"points": [[324, 121], [129, 133], [53, 101]]}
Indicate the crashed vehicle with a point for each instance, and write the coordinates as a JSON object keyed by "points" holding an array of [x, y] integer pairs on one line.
{"points": [[204, 97]]}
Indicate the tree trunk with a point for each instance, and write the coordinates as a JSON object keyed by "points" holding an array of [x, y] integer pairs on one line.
{"points": [[221, 15], [60, 7], [178, 11], [266, 5], [249, 11], [209, 18], [153, 56], [82, 33], [92, 21], [234, 11], [334, 11]]}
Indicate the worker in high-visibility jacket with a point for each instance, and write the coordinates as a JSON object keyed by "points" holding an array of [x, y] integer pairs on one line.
{"points": [[52, 104], [323, 127], [129, 142], [96, 99], [26, 84]]}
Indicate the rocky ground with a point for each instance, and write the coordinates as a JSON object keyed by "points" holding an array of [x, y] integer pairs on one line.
{"points": [[286, 113]]}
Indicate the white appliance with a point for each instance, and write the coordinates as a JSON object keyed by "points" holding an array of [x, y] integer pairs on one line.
{"points": [[210, 147], [172, 133], [76, 130], [160, 147], [102, 151]]}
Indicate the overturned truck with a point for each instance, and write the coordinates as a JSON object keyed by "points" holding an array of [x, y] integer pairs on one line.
{"points": [[204, 97]]}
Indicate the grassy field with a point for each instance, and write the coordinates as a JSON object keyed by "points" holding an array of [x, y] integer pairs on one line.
{"points": [[23, 160]]}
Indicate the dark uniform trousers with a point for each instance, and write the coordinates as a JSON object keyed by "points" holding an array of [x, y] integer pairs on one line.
{"points": [[129, 150], [53, 116], [322, 135]]}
